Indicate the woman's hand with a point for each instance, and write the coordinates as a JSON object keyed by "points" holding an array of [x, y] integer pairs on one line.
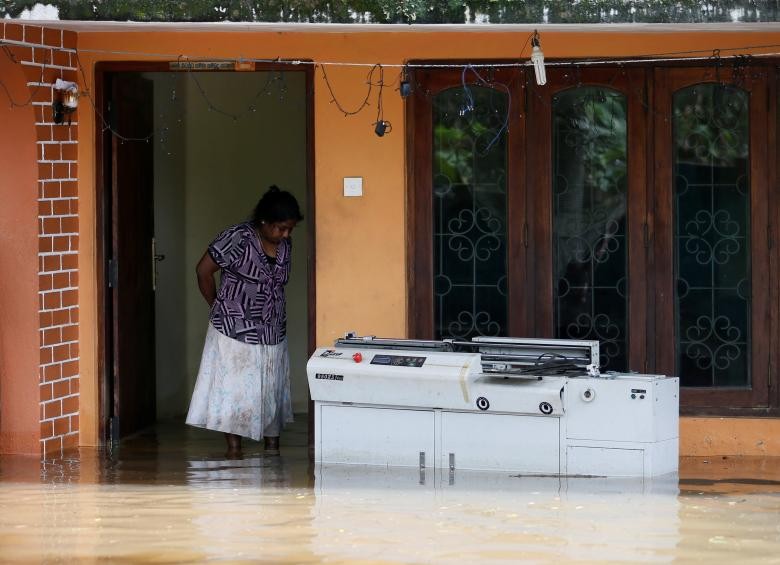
{"points": [[205, 272]]}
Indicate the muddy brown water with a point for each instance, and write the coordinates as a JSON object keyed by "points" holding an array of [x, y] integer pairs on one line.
{"points": [[170, 496]]}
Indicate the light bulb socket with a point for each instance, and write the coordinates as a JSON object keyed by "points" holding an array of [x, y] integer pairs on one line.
{"points": [[66, 100], [537, 59]]}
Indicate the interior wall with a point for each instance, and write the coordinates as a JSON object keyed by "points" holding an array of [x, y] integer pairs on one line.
{"points": [[210, 170], [20, 420], [171, 316]]}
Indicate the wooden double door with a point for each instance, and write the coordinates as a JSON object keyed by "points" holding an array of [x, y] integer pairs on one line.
{"points": [[628, 205]]}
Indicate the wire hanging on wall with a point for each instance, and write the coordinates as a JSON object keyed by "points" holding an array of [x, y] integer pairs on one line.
{"points": [[667, 56], [104, 124], [33, 93], [741, 61], [381, 126], [335, 100], [273, 78]]}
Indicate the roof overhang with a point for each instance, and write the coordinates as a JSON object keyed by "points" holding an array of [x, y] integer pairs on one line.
{"points": [[258, 27]]}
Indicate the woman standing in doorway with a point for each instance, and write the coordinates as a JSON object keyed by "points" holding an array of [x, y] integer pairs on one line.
{"points": [[243, 386]]}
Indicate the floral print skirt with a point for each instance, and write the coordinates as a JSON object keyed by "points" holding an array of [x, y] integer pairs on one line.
{"points": [[242, 389]]}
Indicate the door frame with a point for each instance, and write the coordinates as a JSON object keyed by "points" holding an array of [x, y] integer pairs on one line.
{"points": [[773, 181], [719, 400], [419, 203], [630, 82], [103, 218]]}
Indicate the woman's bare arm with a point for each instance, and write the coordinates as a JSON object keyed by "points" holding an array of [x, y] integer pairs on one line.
{"points": [[205, 271]]}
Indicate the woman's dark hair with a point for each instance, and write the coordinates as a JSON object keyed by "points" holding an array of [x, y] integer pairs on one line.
{"points": [[276, 206]]}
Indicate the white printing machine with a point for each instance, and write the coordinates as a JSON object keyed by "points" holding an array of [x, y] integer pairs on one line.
{"points": [[526, 406]]}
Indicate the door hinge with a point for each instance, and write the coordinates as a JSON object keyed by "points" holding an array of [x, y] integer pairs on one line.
{"points": [[156, 258], [646, 235], [113, 273], [769, 237], [525, 235]]}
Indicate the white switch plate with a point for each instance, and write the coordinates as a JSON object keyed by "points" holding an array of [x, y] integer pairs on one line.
{"points": [[353, 186]]}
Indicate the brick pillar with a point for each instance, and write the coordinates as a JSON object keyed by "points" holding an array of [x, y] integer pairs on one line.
{"points": [[46, 55]]}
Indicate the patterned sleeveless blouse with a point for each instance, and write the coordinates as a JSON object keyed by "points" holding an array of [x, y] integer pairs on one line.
{"points": [[250, 303]]}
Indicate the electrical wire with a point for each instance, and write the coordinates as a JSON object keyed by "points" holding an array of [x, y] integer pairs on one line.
{"points": [[470, 102], [364, 103], [33, 93], [667, 56], [380, 114], [672, 56]]}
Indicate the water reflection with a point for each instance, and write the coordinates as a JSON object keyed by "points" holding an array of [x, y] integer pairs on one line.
{"points": [[171, 497], [485, 517]]}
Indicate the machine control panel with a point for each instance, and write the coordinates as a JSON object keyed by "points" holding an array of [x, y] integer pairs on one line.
{"points": [[398, 360]]}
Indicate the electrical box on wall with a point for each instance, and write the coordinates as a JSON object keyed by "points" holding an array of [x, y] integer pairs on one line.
{"points": [[353, 186]]}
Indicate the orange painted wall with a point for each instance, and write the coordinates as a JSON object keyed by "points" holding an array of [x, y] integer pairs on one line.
{"points": [[706, 437], [361, 242], [19, 340]]}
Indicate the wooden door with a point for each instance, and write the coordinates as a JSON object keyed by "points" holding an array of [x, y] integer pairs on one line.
{"points": [[639, 212], [467, 207], [131, 267], [712, 234], [587, 210]]}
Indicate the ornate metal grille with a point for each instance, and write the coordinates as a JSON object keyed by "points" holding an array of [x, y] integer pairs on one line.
{"points": [[469, 208], [711, 230], [589, 220]]}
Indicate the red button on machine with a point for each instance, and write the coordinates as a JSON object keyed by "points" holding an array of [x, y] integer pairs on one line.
{"points": [[358, 357]]}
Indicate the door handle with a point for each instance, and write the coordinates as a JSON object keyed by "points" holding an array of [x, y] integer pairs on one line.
{"points": [[156, 258]]}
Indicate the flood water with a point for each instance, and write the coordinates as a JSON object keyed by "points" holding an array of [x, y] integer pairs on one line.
{"points": [[170, 496]]}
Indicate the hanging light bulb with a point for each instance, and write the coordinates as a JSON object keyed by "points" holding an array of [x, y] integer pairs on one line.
{"points": [[537, 58]]}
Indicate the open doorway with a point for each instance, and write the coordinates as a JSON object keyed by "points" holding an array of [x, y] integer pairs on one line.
{"points": [[187, 155]]}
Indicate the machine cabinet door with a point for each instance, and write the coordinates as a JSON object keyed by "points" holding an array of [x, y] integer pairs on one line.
{"points": [[376, 436], [604, 462], [500, 442]]}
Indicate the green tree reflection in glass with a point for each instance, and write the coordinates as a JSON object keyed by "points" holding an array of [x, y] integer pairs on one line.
{"points": [[589, 220], [469, 213]]}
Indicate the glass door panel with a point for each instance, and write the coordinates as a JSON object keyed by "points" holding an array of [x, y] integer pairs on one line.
{"points": [[588, 211], [628, 205], [590, 244], [470, 213], [466, 204], [711, 235]]}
